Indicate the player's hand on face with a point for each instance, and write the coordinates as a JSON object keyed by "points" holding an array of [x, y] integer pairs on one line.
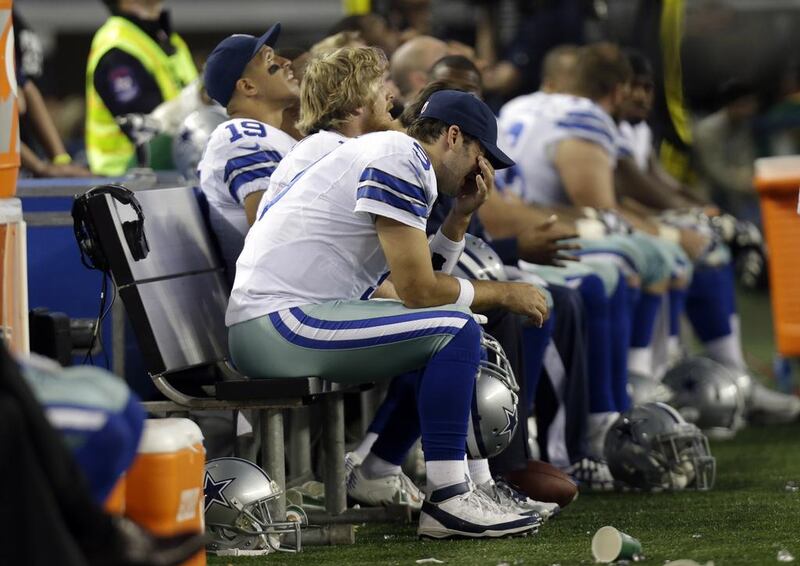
{"points": [[527, 300], [476, 189], [545, 244]]}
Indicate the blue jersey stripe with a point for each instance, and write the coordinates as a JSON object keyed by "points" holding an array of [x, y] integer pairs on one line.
{"points": [[381, 195], [246, 177], [312, 322], [368, 293], [396, 183], [578, 115], [304, 342], [588, 128], [262, 156]]}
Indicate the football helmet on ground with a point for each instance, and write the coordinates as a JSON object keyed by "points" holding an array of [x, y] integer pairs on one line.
{"points": [[706, 393], [652, 447], [240, 514]]}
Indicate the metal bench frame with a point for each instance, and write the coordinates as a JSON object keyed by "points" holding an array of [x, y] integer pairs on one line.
{"points": [[229, 390]]}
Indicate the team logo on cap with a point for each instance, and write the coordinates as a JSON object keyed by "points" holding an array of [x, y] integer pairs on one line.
{"points": [[424, 107]]}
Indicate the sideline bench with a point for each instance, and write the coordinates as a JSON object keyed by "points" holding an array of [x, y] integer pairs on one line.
{"points": [[176, 299]]}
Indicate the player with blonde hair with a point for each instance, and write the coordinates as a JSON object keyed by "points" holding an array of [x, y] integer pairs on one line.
{"points": [[340, 85], [345, 93]]}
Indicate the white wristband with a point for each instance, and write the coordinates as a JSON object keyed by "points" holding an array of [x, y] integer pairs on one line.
{"points": [[466, 293], [669, 233], [449, 250]]}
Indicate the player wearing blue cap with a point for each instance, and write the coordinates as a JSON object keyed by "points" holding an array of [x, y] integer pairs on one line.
{"points": [[331, 235], [255, 85]]}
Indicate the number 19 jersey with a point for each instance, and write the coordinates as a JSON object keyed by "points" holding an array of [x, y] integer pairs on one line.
{"points": [[239, 159]]}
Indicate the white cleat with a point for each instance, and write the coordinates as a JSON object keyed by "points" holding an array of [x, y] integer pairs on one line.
{"points": [[772, 407], [389, 490], [462, 511], [507, 496]]}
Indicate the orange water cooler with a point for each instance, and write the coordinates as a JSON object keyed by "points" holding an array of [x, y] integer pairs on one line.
{"points": [[164, 486], [778, 183]]}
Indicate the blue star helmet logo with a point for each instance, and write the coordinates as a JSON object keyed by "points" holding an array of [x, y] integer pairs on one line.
{"points": [[214, 491], [511, 421]]}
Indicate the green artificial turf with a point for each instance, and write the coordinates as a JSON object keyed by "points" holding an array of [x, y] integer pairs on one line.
{"points": [[746, 520]]}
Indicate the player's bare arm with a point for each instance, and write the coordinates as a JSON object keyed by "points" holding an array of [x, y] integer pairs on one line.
{"points": [[418, 286], [586, 173], [251, 206]]}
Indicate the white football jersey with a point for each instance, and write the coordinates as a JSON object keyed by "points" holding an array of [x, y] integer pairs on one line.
{"points": [[307, 152], [239, 159], [316, 240], [636, 142], [530, 129]]}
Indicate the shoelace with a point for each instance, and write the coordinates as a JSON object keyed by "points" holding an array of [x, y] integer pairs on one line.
{"points": [[505, 489], [489, 502]]}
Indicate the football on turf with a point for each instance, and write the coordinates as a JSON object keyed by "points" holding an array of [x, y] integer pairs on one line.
{"points": [[543, 482]]}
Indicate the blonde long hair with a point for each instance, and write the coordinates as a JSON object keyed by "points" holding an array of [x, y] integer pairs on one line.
{"points": [[336, 84]]}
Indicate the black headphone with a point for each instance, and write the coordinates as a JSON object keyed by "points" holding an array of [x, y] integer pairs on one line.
{"points": [[92, 255]]}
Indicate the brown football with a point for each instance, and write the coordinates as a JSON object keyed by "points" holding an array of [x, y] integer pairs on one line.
{"points": [[543, 482]]}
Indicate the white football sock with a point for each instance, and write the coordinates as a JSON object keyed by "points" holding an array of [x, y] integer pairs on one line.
{"points": [[727, 350], [674, 351], [598, 425], [640, 360], [479, 471], [366, 445], [442, 473], [375, 467]]}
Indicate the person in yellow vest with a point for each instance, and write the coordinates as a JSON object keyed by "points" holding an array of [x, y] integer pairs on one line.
{"points": [[136, 62]]}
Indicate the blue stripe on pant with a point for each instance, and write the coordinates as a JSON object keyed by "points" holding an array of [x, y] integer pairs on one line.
{"points": [[357, 341]]}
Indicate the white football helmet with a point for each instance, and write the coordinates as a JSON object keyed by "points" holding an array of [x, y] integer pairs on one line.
{"points": [[190, 141], [240, 513], [493, 419]]}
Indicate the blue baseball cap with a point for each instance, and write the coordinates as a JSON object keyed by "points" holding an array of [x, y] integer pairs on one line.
{"points": [[471, 114], [226, 63]]}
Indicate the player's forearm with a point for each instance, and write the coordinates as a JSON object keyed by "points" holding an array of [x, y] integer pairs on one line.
{"points": [[632, 183], [445, 290], [48, 134], [30, 161], [455, 225], [505, 218]]}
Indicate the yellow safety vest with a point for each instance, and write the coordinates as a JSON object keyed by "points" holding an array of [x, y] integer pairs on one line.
{"points": [[110, 152]]}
